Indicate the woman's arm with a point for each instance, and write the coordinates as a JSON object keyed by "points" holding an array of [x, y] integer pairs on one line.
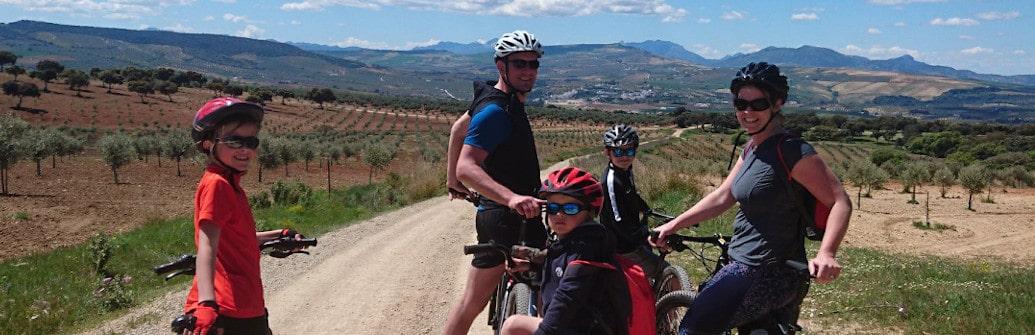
{"points": [[814, 174]]}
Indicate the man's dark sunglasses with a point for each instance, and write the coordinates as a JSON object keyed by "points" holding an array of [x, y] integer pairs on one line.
{"points": [[759, 104], [237, 142], [522, 64], [619, 152], [570, 208]]}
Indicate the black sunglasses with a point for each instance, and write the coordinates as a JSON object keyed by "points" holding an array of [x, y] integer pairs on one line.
{"points": [[570, 208], [522, 64], [237, 142], [619, 152], [759, 104]]}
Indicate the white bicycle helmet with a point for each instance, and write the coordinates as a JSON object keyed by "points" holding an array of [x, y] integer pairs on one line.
{"points": [[517, 41]]}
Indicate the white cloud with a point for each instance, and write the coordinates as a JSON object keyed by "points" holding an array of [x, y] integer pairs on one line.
{"points": [[955, 21], [810, 16], [749, 47], [250, 31], [226, 1], [704, 20], [901, 2], [706, 51], [180, 28], [520, 8], [900, 24], [295, 22], [1019, 52], [734, 15], [879, 52], [976, 50], [210, 18], [234, 18], [992, 16], [967, 37], [361, 43], [873, 31], [112, 9]]}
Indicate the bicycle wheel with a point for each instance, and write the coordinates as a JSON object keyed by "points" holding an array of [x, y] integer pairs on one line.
{"points": [[670, 311], [516, 301], [672, 279]]}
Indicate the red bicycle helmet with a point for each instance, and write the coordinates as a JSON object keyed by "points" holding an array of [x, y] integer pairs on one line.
{"points": [[214, 111], [576, 183]]}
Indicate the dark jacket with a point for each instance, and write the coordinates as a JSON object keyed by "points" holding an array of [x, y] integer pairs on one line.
{"points": [[514, 163], [623, 209], [584, 291]]}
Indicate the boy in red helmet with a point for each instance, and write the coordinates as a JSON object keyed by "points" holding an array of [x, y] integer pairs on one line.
{"points": [[583, 292], [226, 295]]}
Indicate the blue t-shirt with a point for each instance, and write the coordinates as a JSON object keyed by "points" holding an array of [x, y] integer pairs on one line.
{"points": [[489, 127], [767, 227]]}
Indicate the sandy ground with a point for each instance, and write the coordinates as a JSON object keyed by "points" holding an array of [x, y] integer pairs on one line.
{"points": [[398, 273]]}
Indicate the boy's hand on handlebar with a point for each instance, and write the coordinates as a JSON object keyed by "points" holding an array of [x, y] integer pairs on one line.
{"points": [[520, 265], [824, 268], [205, 319], [291, 233], [526, 206]]}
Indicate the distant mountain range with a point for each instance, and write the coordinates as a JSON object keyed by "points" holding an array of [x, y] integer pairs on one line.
{"points": [[644, 74]]}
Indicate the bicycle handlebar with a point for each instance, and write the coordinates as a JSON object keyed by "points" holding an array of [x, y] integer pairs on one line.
{"points": [[483, 248], [664, 218], [284, 246], [182, 266]]}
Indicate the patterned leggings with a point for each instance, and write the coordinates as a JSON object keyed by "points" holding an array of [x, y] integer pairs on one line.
{"points": [[739, 294]]}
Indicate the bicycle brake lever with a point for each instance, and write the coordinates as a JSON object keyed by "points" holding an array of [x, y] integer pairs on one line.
{"points": [[280, 254]]}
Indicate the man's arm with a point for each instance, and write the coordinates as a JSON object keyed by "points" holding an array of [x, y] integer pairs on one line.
{"points": [[456, 141], [470, 172]]}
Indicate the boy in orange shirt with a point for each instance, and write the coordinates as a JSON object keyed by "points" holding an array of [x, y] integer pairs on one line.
{"points": [[226, 295]]}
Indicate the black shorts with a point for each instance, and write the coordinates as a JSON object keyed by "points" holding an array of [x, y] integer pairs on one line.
{"points": [[503, 226], [259, 325]]}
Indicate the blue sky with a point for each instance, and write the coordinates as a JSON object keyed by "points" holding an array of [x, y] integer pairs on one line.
{"points": [[983, 36]]}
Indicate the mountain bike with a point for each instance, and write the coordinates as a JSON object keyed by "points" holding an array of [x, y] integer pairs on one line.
{"points": [[673, 306], [185, 265]]}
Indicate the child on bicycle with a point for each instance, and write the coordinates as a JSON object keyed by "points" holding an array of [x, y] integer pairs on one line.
{"points": [[226, 295], [582, 290], [624, 210]]}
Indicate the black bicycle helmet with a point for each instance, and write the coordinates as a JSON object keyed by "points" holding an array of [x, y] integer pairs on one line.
{"points": [[764, 76], [619, 135]]}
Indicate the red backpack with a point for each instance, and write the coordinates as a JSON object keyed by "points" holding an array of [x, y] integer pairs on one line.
{"points": [[641, 296]]}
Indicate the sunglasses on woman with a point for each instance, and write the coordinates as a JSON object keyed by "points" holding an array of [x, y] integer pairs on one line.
{"points": [[570, 208], [522, 64], [619, 152], [237, 142], [756, 105]]}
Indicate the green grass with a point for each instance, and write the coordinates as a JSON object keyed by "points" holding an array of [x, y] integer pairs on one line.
{"points": [[936, 295], [934, 226], [21, 216], [53, 292]]}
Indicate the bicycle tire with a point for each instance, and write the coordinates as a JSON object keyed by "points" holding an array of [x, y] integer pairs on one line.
{"points": [[516, 301], [670, 311], [673, 278]]}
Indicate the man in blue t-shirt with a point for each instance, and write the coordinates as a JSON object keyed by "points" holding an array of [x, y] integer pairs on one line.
{"points": [[497, 158]]}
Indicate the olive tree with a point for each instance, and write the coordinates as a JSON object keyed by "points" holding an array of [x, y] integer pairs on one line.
{"points": [[12, 133], [974, 178], [117, 150], [378, 157]]}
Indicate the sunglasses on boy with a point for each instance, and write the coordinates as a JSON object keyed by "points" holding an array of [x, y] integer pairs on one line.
{"points": [[619, 152], [237, 142], [522, 64], [570, 208], [756, 105]]}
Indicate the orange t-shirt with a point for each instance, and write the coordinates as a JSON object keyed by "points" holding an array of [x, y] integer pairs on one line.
{"points": [[237, 280]]}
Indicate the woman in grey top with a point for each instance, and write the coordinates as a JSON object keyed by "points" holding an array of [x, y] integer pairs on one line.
{"points": [[767, 229]]}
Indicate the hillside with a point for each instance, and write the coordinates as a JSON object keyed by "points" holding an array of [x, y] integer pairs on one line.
{"points": [[626, 76]]}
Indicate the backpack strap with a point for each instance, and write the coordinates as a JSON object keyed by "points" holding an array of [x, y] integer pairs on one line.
{"points": [[792, 191]]}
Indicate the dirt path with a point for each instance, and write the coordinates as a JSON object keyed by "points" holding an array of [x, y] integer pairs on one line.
{"points": [[398, 273]]}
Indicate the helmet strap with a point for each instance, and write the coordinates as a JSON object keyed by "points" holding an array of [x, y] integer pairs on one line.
{"points": [[212, 155]]}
